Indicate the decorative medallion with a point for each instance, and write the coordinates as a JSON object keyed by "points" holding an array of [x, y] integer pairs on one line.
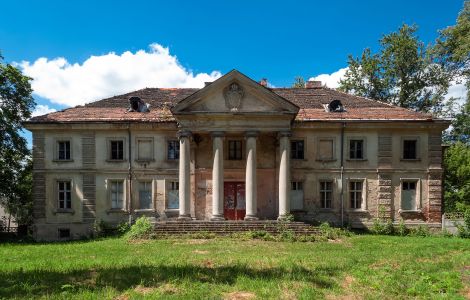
{"points": [[233, 96]]}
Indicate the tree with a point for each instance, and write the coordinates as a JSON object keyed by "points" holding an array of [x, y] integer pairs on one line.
{"points": [[299, 82], [457, 176], [16, 104], [402, 73]]}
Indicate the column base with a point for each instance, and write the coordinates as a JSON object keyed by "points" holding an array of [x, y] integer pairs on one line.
{"points": [[217, 218], [251, 218], [184, 218]]}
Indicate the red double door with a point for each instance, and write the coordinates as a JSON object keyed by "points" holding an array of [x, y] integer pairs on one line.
{"points": [[234, 200]]}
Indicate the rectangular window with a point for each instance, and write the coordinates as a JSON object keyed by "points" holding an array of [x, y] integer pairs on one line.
{"points": [[297, 196], [145, 149], [326, 193], [408, 195], [64, 233], [63, 150], [173, 150], [355, 194], [235, 150], [117, 194], [117, 150], [297, 149], [173, 195], [325, 149], [145, 195], [409, 149], [64, 194], [356, 149]]}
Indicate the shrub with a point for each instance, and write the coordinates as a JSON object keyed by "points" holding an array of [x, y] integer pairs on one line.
{"points": [[382, 227], [332, 233], [287, 236], [141, 229], [421, 230], [402, 230]]}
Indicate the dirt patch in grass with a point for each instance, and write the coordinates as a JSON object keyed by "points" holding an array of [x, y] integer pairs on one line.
{"points": [[201, 252], [168, 289], [241, 295], [347, 293], [385, 263], [191, 242], [122, 297], [138, 241], [144, 290]]}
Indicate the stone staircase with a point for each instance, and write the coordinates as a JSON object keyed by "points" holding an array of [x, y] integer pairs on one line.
{"points": [[229, 227]]}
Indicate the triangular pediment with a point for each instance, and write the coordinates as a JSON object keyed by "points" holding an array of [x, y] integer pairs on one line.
{"points": [[235, 93]]}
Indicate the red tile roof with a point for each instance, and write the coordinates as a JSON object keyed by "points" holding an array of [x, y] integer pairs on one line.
{"points": [[311, 103]]}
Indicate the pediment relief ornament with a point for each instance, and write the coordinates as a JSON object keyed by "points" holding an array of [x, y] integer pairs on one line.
{"points": [[233, 95]]}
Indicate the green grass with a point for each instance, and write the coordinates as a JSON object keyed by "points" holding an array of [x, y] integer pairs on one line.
{"points": [[360, 266]]}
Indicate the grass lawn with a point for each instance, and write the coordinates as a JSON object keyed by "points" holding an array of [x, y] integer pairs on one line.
{"points": [[356, 267]]}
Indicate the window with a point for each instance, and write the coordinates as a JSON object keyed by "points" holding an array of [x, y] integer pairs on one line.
{"points": [[235, 150], [356, 149], [297, 195], [355, 194], [410, 149], [325, 149], [64, 233], [145, 149], [117, 150], [173, 150], [326, 193], [63, 150], [297, 149], [145, 195], [173, 195], [117, 194], [64, 194], [408, 195]]}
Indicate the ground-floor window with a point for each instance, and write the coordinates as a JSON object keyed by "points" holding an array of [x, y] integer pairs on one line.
{"points": [[326, 193], [173, 195], [355, 194], [297, 195], [145, 195], [64, 194], [408, 195], [117, 194]]}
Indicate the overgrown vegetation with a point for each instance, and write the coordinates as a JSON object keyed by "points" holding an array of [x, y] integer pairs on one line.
{"points": [[357, 267], [142, 228]]}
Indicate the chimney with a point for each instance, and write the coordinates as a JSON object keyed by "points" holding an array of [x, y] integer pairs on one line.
{"points": [[313, 84], [264, 82]]}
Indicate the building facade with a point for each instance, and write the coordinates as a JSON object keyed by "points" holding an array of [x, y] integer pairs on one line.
{"points": [[236, 150]]}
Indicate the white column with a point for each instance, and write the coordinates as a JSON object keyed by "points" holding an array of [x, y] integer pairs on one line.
{"points": [[218, 176], [284, 174], [250, 176], [184, 178]]}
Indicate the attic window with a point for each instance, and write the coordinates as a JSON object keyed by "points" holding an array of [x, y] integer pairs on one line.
{"points": [[335, 106], [138, 105]]}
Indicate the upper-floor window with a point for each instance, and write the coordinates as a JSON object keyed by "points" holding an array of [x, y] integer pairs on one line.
{"points": [[297, 149], [234, 149], [117, 194], [63, 150], [410, 149], [116, 150], [64, 194], [326, 193], [173, 150], [356, 149], [325, 149], [145, 194], [144, 149], [355, 194]]}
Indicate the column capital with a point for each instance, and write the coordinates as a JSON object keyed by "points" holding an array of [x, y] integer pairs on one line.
{"points": [[251, 133], [284, 133], [217, 133], [184, 133]]}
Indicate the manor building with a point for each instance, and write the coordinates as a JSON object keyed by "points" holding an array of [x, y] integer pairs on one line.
{"points": [[235, 150]]}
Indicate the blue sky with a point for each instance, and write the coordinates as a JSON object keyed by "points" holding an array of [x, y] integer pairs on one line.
{"points": [[195, 41]]}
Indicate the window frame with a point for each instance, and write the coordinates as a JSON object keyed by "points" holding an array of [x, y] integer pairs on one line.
{"points": [[242, 147], [296, 186], [169, 186], [363, 206], [333, 145], [167, 150], [321, 190], [151, 185], [417, 148], [58, 191], [418, 192], [304, 145], [109, 149], [57, 148], [152, 149], [109, 184], [364, 147]]}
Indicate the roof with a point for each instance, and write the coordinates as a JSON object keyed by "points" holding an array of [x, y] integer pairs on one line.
{"points": [[161, 100]]}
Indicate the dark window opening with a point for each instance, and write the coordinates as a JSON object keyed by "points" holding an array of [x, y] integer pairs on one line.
{"points": [[235, 150], [297, 150], [409, 149], [297, 185], [173, 150], [355, 194], [63, 150], [356, 149], [64, 233], [409, 185], [117, 150]]}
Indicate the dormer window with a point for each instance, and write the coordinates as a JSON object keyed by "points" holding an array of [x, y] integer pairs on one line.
{"points": [[137, 105], [335, 106]]}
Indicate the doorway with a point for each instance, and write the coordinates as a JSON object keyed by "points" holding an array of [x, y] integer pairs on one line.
{"points": [[234, 200]]}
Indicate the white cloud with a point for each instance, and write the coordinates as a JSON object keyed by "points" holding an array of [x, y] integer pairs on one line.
{"points": [[330, 80], [42, 110], [111, 74], [457, 91]]}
